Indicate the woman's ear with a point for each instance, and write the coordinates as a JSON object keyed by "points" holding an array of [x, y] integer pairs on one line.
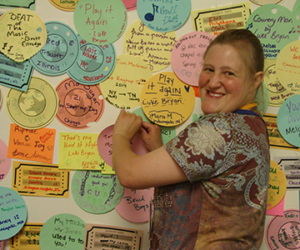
{"points": [[258, 78]]}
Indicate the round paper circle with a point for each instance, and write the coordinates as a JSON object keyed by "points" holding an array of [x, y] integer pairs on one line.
{"points": [[166, 100], [123, 88], [167, 133], [130, 4], [153, 47], [23, 34], [277, 185], [60, 51], [62, 231], [105, 145], [13, 212], [5, 162], [277, 93], [263, 2], [282, 232], [79, 104], [65, 5], [135, 205], [100, 22], [35, 108], [288, 120], [274, 27], [288, 67], [164, 16], [96, 193], [94, 64], [188, 55]]}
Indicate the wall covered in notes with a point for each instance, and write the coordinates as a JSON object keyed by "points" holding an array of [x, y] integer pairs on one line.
{"points": [[66, 70]]}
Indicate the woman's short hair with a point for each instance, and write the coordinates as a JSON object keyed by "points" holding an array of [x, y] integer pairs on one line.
{"points": [[247, 44]]}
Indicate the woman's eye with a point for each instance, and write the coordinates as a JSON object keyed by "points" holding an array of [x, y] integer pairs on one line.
{"points": [[229, 73]]}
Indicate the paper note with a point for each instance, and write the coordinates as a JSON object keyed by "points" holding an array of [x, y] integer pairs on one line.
{"points": [[98, 237], [100, 22], [18, 3], [15, 75], [291, 167], [65, 5], [62, 231], [277, 93], [135, 205], [273, 25], [166, 100], [275, 138], [36, 107], [105, 145], [23, 34], [287, 67], [60, 51], [40, 180], [216, 20], [188, 56], [276, 210], [32, 145], [167, 133], [79, 151], [13, 213], [277, 185], [263, 2], [123, 89], [27, 238], [94, 63], [282, 232], [96, 193], [163, 16], [5, 162], [153, 47], [130, 4], [79, 105], [288, 121]]}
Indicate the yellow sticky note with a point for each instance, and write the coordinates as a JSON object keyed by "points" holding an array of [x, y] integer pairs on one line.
{"points": [[79, 151], [166, 100], [277, 185], [124, 86], [23, 34], [153, 47]]}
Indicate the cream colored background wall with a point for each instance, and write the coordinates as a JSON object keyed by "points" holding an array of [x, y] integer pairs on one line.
{"points": [[40, 209]]}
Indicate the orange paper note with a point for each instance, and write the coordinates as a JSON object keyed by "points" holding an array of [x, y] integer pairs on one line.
{"points": [[32, 145]]}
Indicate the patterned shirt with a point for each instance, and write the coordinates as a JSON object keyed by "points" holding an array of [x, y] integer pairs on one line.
{"points": [[226, 159]]}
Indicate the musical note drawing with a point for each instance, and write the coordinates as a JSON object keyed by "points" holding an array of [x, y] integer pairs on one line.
{"points": [[150, 16]]}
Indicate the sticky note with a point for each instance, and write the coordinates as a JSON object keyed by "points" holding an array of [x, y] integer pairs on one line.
{"points": [[62, 231], [31, 145], [96, 193], [166, 100], [100, 22], [163, 16], [153, 47], [123, 89], [13, 213], [23, 34]]}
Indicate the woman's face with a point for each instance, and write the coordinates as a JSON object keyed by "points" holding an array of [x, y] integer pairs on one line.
{"points": [[225, 83]]}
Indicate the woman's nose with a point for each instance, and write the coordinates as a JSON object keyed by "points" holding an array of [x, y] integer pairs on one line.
{"points": [[215, 80]]}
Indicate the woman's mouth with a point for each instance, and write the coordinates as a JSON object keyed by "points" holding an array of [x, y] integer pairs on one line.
{"points": [[214, 94]]}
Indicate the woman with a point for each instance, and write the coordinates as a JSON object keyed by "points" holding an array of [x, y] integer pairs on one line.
{"points": [[211, 180]]}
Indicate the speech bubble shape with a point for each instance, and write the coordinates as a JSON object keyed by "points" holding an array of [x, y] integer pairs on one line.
{"points": [[23, 34]]}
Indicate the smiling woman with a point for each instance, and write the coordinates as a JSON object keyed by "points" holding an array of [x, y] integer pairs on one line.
{"points": [[211, 180]]}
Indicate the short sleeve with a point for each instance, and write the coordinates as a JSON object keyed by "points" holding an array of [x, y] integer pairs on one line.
{"points": [[205, 149]]}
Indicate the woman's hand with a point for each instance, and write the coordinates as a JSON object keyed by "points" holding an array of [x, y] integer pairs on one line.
{"points": [[127, 124], [151, 136]]}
